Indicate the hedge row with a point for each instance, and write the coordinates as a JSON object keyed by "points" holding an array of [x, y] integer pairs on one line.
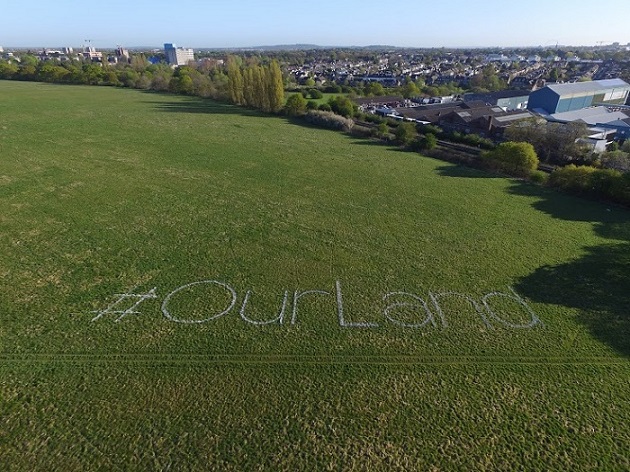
{"points": [[606, 184], [328, 119]]}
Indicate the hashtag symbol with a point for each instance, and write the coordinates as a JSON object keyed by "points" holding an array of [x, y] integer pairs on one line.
{"points": [[114, 308]]}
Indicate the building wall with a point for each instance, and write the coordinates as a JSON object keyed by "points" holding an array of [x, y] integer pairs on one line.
{"points": [[178, 56], [513, 103], [551, 102], [570, 103], [184, 56], [544, 98]]}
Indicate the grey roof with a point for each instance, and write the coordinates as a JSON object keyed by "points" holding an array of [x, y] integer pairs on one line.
{"points": [[588, 87], [381, 99], [495, 95], [592, 115], [621, 123], [512, 117]]}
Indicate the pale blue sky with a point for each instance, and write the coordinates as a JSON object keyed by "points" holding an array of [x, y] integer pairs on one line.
{"points": [[241, 23]]}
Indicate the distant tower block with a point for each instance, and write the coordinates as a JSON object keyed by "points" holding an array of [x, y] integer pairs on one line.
{"points": [[122, 52], [178, 56]]}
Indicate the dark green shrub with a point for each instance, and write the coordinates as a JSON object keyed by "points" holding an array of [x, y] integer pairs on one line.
{"points": [[571, 178], [518, 159], [314, 93], [538, 176], [424, 143], [607, 184]]}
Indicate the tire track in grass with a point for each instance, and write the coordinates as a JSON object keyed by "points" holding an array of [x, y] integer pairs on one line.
{"points": [[196, 359]]}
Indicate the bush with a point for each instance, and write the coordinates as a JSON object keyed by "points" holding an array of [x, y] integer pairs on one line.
{"points": [[370, 118], [518, 159], [324, 107], [329, 120], [314, 93], [620, 189], [296, 105], [424, 143], [436, 130], [471, 139], [618, 160], [405, 133], [342, 106], [608, 184], [361, 131], [311, 105], [381, 131], [538, 176], [572, 178]]}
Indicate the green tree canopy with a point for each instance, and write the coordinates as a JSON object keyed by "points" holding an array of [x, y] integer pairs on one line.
{"points": [[410, 90], [405, 133], [515, 158], [275, 87], [554, 142], [374, 88], [296, 105], [342, 106]]}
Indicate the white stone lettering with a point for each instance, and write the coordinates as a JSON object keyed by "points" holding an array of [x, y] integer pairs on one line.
{"points": [[402, 308], [296, 296], [279, 319], [342, 320], [123, 297], [168, 315], [435, 296], [533, 321], [418, 302]]}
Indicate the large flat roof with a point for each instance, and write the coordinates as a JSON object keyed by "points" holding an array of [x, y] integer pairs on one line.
{"points": [[591, 116], [588, 87]]}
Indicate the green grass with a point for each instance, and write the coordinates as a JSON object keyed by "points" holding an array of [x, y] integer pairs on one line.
{"points": [[104, 191], [319, 101]]}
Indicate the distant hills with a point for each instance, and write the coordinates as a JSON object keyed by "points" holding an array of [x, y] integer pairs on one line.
{"points": [[300, 47]]}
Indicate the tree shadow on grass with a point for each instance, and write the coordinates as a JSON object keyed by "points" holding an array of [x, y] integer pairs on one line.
{"points": [[611, 221], [185, 104], [464, 172], [206, 108], [597, 284]]}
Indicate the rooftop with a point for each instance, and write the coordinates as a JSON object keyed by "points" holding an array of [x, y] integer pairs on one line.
{"points": [[591, 116], [587, 87]]}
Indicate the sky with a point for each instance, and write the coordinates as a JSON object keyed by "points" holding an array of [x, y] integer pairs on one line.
{"points": [[245, 23]]}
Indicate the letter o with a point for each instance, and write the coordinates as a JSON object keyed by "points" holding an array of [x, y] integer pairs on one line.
{"points": [[168, 315]]}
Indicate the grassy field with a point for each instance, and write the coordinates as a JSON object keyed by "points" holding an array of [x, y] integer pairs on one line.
{"points": [[185, 285], [319, 101]]}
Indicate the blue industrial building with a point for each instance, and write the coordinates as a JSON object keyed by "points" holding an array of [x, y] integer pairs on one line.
{"points": [[558, 98]]}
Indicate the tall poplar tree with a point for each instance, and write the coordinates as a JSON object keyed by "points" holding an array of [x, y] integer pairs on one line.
{"points": [[248, 87], [265, 104], [257, 87], [235, 81], [275, 87]]}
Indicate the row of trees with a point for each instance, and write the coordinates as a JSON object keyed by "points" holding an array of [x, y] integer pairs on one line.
{"points": [[564, 144], [555, 143], [201, 81], [411, 88], [256, 86]]}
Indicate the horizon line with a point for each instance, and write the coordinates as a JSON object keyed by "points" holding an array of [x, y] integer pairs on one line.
{"points": [[319, 46]]}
